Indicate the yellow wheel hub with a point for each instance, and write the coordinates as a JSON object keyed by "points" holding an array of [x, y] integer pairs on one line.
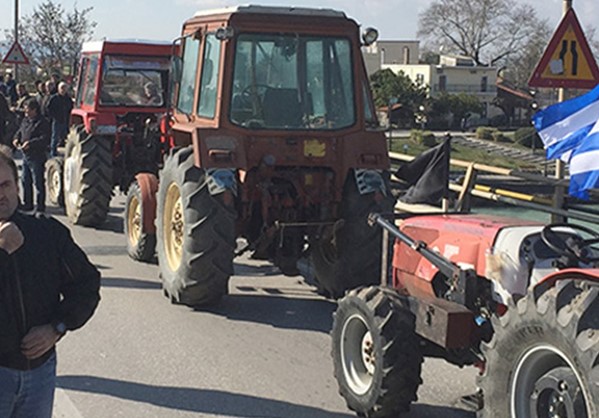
{"points": [[134, 225], [173, 224]]}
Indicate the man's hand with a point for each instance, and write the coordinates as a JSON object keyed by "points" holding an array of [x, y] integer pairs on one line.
{"points": [[38, 341], [16, 143], [11, 237], [25, 146]]}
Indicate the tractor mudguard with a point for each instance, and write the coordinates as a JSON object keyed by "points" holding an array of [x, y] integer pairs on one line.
{"points": [[570, 273], [369, 181], [148, 184], [221, 180]]}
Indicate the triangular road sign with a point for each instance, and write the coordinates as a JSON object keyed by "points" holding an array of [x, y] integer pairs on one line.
{"points": [[15, 55], [567, 61]]}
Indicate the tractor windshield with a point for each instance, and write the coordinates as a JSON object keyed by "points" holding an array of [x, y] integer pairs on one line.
{"points": [[134, 81], [292, 82]]}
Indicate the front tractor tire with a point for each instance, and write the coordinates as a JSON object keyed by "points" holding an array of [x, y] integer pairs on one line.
{"points": [[141, 245], [54, 181], [87, 177], [349, 256], [376, 353], [195, 234], [543, 359]]}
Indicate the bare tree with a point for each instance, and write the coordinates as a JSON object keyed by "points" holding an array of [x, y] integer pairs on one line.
{"points": [[488, 31], [52, 37]]}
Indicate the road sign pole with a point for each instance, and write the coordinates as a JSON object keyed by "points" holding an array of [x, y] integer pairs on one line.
{"points": [[16, 66], [558, 198]]}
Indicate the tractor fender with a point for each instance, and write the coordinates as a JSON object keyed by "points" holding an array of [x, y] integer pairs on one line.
{"points": [[369, 181], [571, 274], [221, 180], [148, 185]]}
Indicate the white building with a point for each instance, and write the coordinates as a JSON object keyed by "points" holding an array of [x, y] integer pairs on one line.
{"points": [[452, 75]]}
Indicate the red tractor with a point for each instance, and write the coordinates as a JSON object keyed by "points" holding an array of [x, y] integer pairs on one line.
{"points": [[519, 300], [114, 137], [277, 142]]}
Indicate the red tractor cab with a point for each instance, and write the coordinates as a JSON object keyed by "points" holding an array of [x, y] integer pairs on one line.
{"points": [[121, 94]]}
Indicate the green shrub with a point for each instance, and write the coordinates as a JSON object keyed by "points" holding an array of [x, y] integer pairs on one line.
{"points": [[425, 138], [525, 136], [501, 137], [485, 132]]}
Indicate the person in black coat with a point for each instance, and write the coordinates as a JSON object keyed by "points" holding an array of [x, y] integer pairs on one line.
{"points": [[59, 111], [47, 287], [33, 139]]}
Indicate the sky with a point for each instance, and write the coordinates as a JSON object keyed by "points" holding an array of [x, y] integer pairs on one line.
{"points": [[162, 19]]}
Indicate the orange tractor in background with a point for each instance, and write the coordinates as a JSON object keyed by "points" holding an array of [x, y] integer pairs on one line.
{"points": [[275, 141], [115, 137]]}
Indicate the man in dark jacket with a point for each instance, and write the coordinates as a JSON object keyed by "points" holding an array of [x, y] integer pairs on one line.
{"points": [[33, 139], [47, 287], [5, 117], [59, 112]]}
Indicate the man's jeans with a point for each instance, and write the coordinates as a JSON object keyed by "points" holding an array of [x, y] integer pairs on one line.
{"points": [[33, 173], [30, 393], [59, 133]]}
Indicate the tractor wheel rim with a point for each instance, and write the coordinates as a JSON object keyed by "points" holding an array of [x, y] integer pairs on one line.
{"points": [[174, 227], [71, 171], [357, 354], [55, 183], [531, 395], [134, 221]]}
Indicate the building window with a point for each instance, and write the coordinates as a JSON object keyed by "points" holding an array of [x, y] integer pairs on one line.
{"points": [[406, 55], [420, 79], [483, 84], [442, 83]]}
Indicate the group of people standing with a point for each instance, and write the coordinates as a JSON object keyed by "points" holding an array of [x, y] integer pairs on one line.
{"points": [[36, 125]]}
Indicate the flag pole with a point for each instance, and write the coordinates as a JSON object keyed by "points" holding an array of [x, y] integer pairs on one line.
{"points": [[558, 197]]}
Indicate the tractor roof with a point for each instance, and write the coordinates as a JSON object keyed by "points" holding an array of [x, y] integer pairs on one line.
{"points": [[118, 44], [276, 10]]}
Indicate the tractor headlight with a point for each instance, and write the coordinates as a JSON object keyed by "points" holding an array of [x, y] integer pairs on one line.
{"points": [[369, 36]]}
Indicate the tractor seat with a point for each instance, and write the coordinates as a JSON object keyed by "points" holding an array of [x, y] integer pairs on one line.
{"points": [[282, 108]]}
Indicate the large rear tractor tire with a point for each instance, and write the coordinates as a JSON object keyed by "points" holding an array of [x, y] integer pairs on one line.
{"points": [[351, 256], [141, 245], [54, 178], [543, 360], [195, 234], [87, 177], [376, 353]]}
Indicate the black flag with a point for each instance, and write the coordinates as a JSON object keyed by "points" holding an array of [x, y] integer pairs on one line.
{"points": [[427, 175]]}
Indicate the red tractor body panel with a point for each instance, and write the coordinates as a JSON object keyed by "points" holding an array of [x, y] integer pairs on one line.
{"points": [[463, 239]]}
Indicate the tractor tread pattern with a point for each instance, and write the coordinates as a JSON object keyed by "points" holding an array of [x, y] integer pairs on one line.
{"points": [[95, 185], [395, 383], [565, 315], [209, 235]]}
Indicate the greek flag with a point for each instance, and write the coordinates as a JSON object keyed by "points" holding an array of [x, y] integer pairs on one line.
{"points": [[570, 131]]}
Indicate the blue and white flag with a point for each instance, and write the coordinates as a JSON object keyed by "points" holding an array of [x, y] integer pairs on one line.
{"points": [[570, 131]]}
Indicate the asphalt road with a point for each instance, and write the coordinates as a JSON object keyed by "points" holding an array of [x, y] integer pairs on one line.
{"points": [[264, 352]]}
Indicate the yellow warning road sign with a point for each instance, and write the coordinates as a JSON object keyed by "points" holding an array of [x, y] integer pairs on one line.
{"points": [[567, 61]]}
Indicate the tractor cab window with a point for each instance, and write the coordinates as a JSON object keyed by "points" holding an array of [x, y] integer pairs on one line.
{"points": [[134, 81], [191, 48], [88, 80], [209, 82], [292, 82]]}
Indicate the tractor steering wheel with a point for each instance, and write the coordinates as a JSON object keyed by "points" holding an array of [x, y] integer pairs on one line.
{"points": [[572, 246]]}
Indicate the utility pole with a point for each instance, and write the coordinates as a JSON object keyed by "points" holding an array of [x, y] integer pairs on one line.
{"points": [[16, 66], [558, 198]]}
